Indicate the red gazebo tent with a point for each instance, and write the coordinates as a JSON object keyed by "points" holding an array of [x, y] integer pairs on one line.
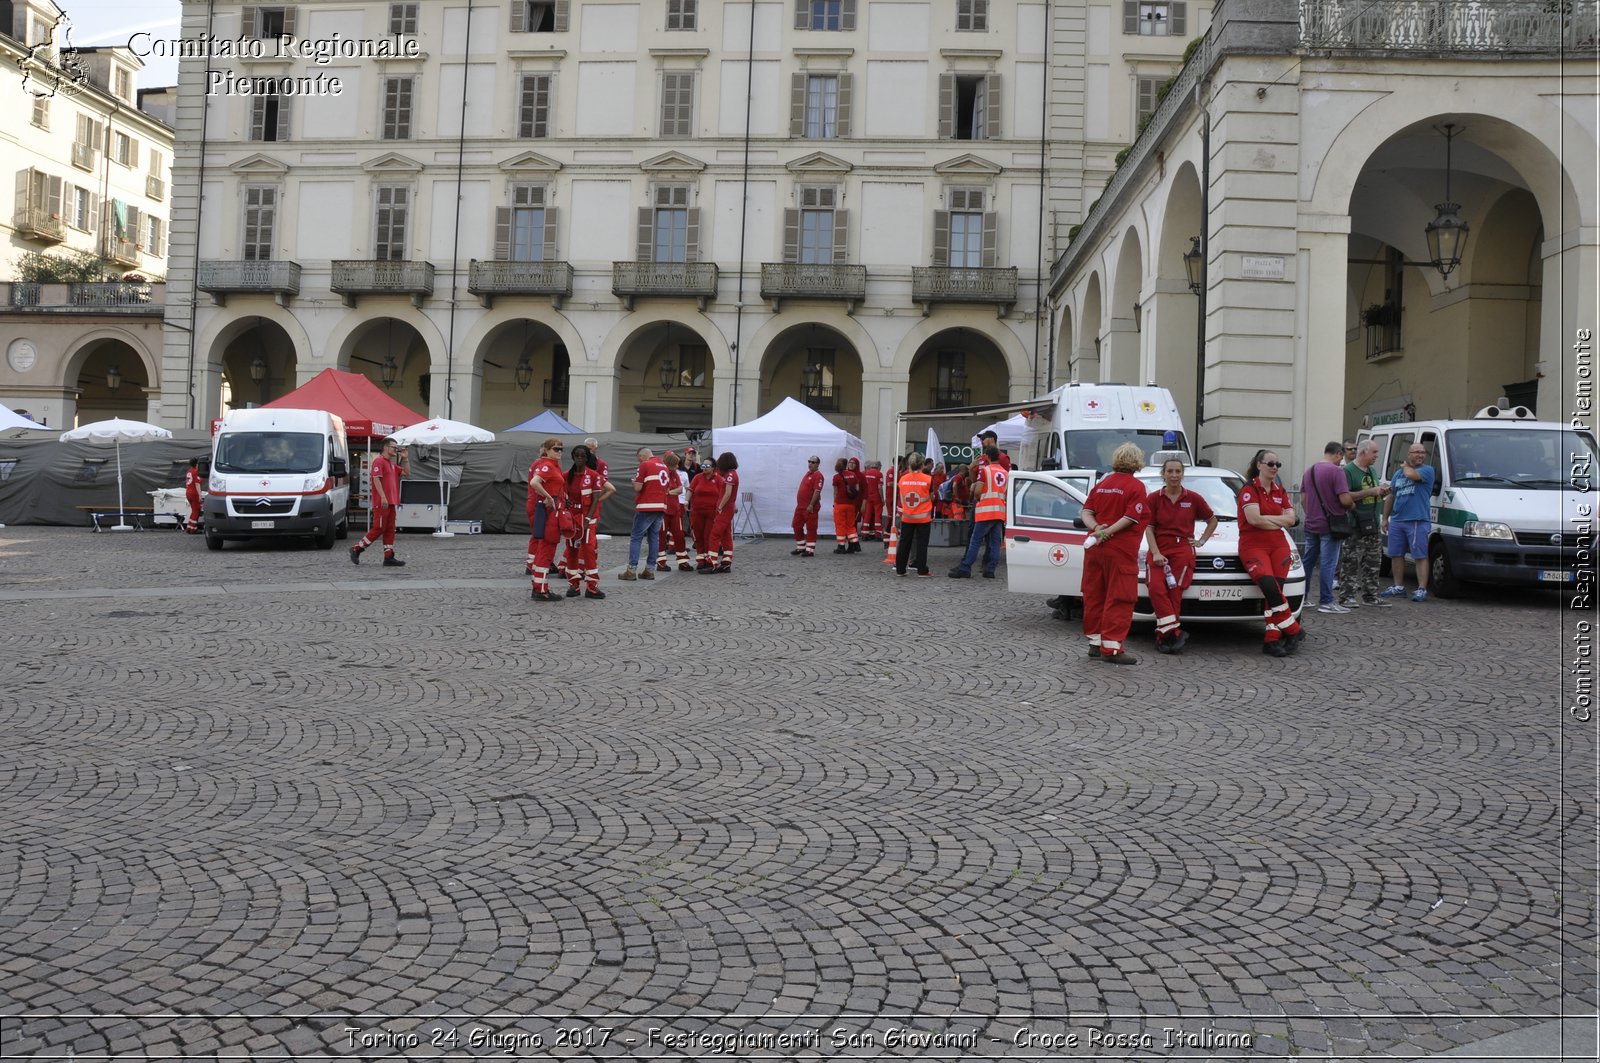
{"points": [[367, 410]]}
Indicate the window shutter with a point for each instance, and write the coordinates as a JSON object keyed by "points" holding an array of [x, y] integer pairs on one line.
{"points": [[288, 21], [258, 116], [519, 16], [1130, 16], [25, 187], [844, 106], [797, 105], [941, 238], [991, 239], [791, 235], [991, 107], [847, 15], [1178, 14], [562, 8], [502, 234], [133, 233], [94, 213], [802, 14], [947, 106], [249, 23], [133, 152], [550, 230], [283, 118], [691, 239], [841, 236], [54, 203], [646, 235]]}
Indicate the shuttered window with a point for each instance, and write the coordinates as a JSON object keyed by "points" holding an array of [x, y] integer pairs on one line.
{"points": [[819, 106], [526, 230], [682, 14], [39, 196], [1146, 97], [815, 233], [269, 118], [539, 16], [268, 23], [825, 15], [41, 112], [155, 235], [965, 236], [260, 220], [393, 213], [969, 106], [677, 103], [402, 20], [972, 16], [669, 229], [533, 107], [85, 209], [1145, 18], [397, 97]]}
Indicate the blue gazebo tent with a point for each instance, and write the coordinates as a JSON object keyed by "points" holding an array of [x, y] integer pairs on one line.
{"points": [[549, 422]]}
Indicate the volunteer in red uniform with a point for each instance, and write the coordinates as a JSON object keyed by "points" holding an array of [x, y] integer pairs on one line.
{"points": [[651, 487], [1173, 512], [939, 478], [547, 494], [722, 522], [586, 490], [872, 501], [988, 518], [1264, 511], [705, 494], [845, 538], [807, 503], [916, 519], [857, 491], [991, 439], [385, 479], [191, 491], [1117, 513], [672, 529]]}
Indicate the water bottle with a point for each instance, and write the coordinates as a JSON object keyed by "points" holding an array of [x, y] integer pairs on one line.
{"points": [[1172, 581]]}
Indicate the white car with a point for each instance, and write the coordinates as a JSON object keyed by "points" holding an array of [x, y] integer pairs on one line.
{"points": [[1044, 546]]}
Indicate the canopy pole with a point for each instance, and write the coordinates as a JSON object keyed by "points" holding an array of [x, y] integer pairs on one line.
{"points": [[443, 509], [122, 513]]}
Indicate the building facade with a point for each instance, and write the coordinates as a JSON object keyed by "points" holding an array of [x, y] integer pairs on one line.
{"points": [[91, 174], [653, 216]]}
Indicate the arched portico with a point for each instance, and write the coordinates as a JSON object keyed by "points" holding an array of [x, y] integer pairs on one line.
{"points": [[392, 354], [817, 365], [1119, 347], [520, 368], [1171, 309], [252, 360], [108, 373], [1086, 359]]}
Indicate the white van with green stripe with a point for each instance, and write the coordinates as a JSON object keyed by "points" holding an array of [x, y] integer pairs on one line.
{"points": [[1513, 498]]}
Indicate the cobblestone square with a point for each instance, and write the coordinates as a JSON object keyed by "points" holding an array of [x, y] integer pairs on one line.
{"points": [[266, 804]]}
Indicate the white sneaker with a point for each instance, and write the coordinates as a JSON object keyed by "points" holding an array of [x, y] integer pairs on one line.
{"points": [[1332, 607]]}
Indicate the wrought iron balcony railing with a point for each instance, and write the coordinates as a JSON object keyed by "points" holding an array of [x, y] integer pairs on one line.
{"points": [[83, 156], [130, 297], [557, 392], [123, 252], [803, 280], [224, 277], [380, 276], [38, 224], [694, 279], [489, 279], [945, 398], [155, 187], [1482, 26], [942, 284], [821, 397]]}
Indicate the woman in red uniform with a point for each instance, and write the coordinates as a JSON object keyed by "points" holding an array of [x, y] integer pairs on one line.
{"points": [[1264, 512], [191, 491], [586, 490], [871, 502], [858, 491], [844, 510], [1173, 513], [1116, 512], [722, 524], [941, 506], [672, 526], [547, 490], [705, 494]]}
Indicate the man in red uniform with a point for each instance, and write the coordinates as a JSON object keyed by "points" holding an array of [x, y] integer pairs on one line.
{"points": [[547, 490], [191, 491], [988, 439], [586, 490], [705, 494], [651, 486], [845, 538], [385, 479], [672, 527], [857, 489], [1264, 512], [807, 503], [727, 505], [872, 501], [1171, 539], [1116, 512]]}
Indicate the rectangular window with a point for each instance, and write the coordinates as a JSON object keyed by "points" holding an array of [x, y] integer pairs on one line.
{"points": [[969, 106], [41, 112], [533, 107], [402, 20], [125, 149], [154, 235], [539, 16], [1146, 101], [527, 223], [670, 239], [124, 84], [86, 143], [397, 108], [260, 219], [393, 210], [972, 16], [269, 118], [968, 228], [951, 382], [817, 379], [83, 210], [822, 107], [816, 226], [682, 14], [1155, 18], [268, 23], [677, 103], [826, 14]]}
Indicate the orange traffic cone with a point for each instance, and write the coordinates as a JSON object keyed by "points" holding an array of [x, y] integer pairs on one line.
{"points": [[894, 541]]}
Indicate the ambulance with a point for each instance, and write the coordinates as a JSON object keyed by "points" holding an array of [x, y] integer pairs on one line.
{"points": [[278, 473], [1513, 499], [1078, 426]]}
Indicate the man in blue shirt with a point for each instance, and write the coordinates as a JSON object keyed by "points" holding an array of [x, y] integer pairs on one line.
{"points": [[1408, 521]]}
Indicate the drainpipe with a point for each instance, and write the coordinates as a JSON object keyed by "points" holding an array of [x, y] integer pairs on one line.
{"points": [[744, 205], [1040, 281], [455, 247]]}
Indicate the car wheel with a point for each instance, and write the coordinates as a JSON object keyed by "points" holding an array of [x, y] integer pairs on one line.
{"points": [[344, 531], [213, 540], [1441, 577]]}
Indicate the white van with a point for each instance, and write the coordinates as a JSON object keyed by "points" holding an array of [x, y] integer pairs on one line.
{"points": [[1511, 496], [276, 473], [1084, 423]]}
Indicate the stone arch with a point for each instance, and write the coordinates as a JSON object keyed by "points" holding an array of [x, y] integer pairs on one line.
{"points": [[1120, 359], [1018, 368], [1173, 353], [1086, 362], [234, 344], [639, 398], [838, 388], [85, 367], [846, 325]]}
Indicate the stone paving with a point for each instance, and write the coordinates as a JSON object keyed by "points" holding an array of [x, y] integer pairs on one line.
{"points": [[264, 804]]}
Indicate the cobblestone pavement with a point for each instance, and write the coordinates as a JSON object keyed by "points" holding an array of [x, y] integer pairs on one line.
{"points": [[265, 804]]}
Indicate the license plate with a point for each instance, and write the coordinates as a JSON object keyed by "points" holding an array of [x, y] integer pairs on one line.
{"points": [[1551, 575], [261, 525], [1220, 594]]}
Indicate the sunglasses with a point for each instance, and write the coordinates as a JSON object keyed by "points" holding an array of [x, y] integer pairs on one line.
{"points": [[1272, 464], [558, 448]]}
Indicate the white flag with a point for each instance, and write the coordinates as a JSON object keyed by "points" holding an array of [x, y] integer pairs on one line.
{"points": [[934, 451]]}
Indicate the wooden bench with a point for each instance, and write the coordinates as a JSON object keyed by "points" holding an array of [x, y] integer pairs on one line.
{"points": [[97, 514]]}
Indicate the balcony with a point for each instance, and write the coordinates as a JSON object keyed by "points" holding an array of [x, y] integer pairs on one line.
{"points": [[83, 156], [557, 392], [369, 276], [824, 398], [944, 284], [799, 280], [632, 279], [155, 187], [122, 252], [1487, 27], [948, 398], [37, 224], [115, 297], [489, 279], [221, 278]]}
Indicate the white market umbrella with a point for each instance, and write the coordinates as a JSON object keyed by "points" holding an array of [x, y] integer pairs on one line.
{"points": [[118, 432], [436, 433]]}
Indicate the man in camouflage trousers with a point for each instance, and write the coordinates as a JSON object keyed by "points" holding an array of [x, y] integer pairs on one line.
{"points": [[1358, 563]]}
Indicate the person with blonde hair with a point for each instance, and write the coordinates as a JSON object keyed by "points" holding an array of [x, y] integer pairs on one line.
{"points": [[1116, 512]]}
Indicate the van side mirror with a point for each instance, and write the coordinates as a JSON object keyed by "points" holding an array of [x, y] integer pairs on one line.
{"points": [[1203, 463], [338, 467]]}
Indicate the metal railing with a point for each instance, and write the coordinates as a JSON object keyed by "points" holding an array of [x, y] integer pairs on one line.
{"points": [[40, 224], [248, 275], [664, 278], [784, 280], [125, 252], [83, 156], [382, 275], [96, 296], [944, 398], [821, 397], [557, 392], [1446, 26], [155, 187], [520, 278], [945, 284]]}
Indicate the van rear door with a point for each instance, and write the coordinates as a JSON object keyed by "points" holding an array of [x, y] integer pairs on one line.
{"points": [[1044, 547]]}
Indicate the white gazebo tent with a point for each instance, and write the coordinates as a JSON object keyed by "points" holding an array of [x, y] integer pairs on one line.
{"points": [[1008, 433], [436, 433], [772, 452]]}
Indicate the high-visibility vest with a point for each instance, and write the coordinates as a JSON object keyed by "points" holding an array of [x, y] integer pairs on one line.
{"points": [[992, 501], [916, 497]]}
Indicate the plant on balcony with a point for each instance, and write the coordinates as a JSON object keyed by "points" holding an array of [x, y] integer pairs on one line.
{"points": [[76, 267], [1380, 315]]}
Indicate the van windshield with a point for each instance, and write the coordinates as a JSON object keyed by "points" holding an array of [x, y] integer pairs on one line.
{"points": [[268, 452], [1092, 449], [1520, 457]]}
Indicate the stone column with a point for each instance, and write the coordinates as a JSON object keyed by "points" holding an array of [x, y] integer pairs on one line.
{"points": [[1323, 267]]}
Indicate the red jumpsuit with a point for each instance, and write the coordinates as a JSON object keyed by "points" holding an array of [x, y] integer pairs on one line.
{"points": [[807, 503], [546, 527], [940, 509], [387, 473], [1264, 552], [1172, 524], [672, 527], [844, 514], [191, 491], [582, 560], [872, 504], [722, 523], [705, 491], [1111, 568]]}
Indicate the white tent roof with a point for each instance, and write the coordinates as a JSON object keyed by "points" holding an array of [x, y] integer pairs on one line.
{"points": [[772, 452], [790, 423], [1008, 432], [12, 419]]}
